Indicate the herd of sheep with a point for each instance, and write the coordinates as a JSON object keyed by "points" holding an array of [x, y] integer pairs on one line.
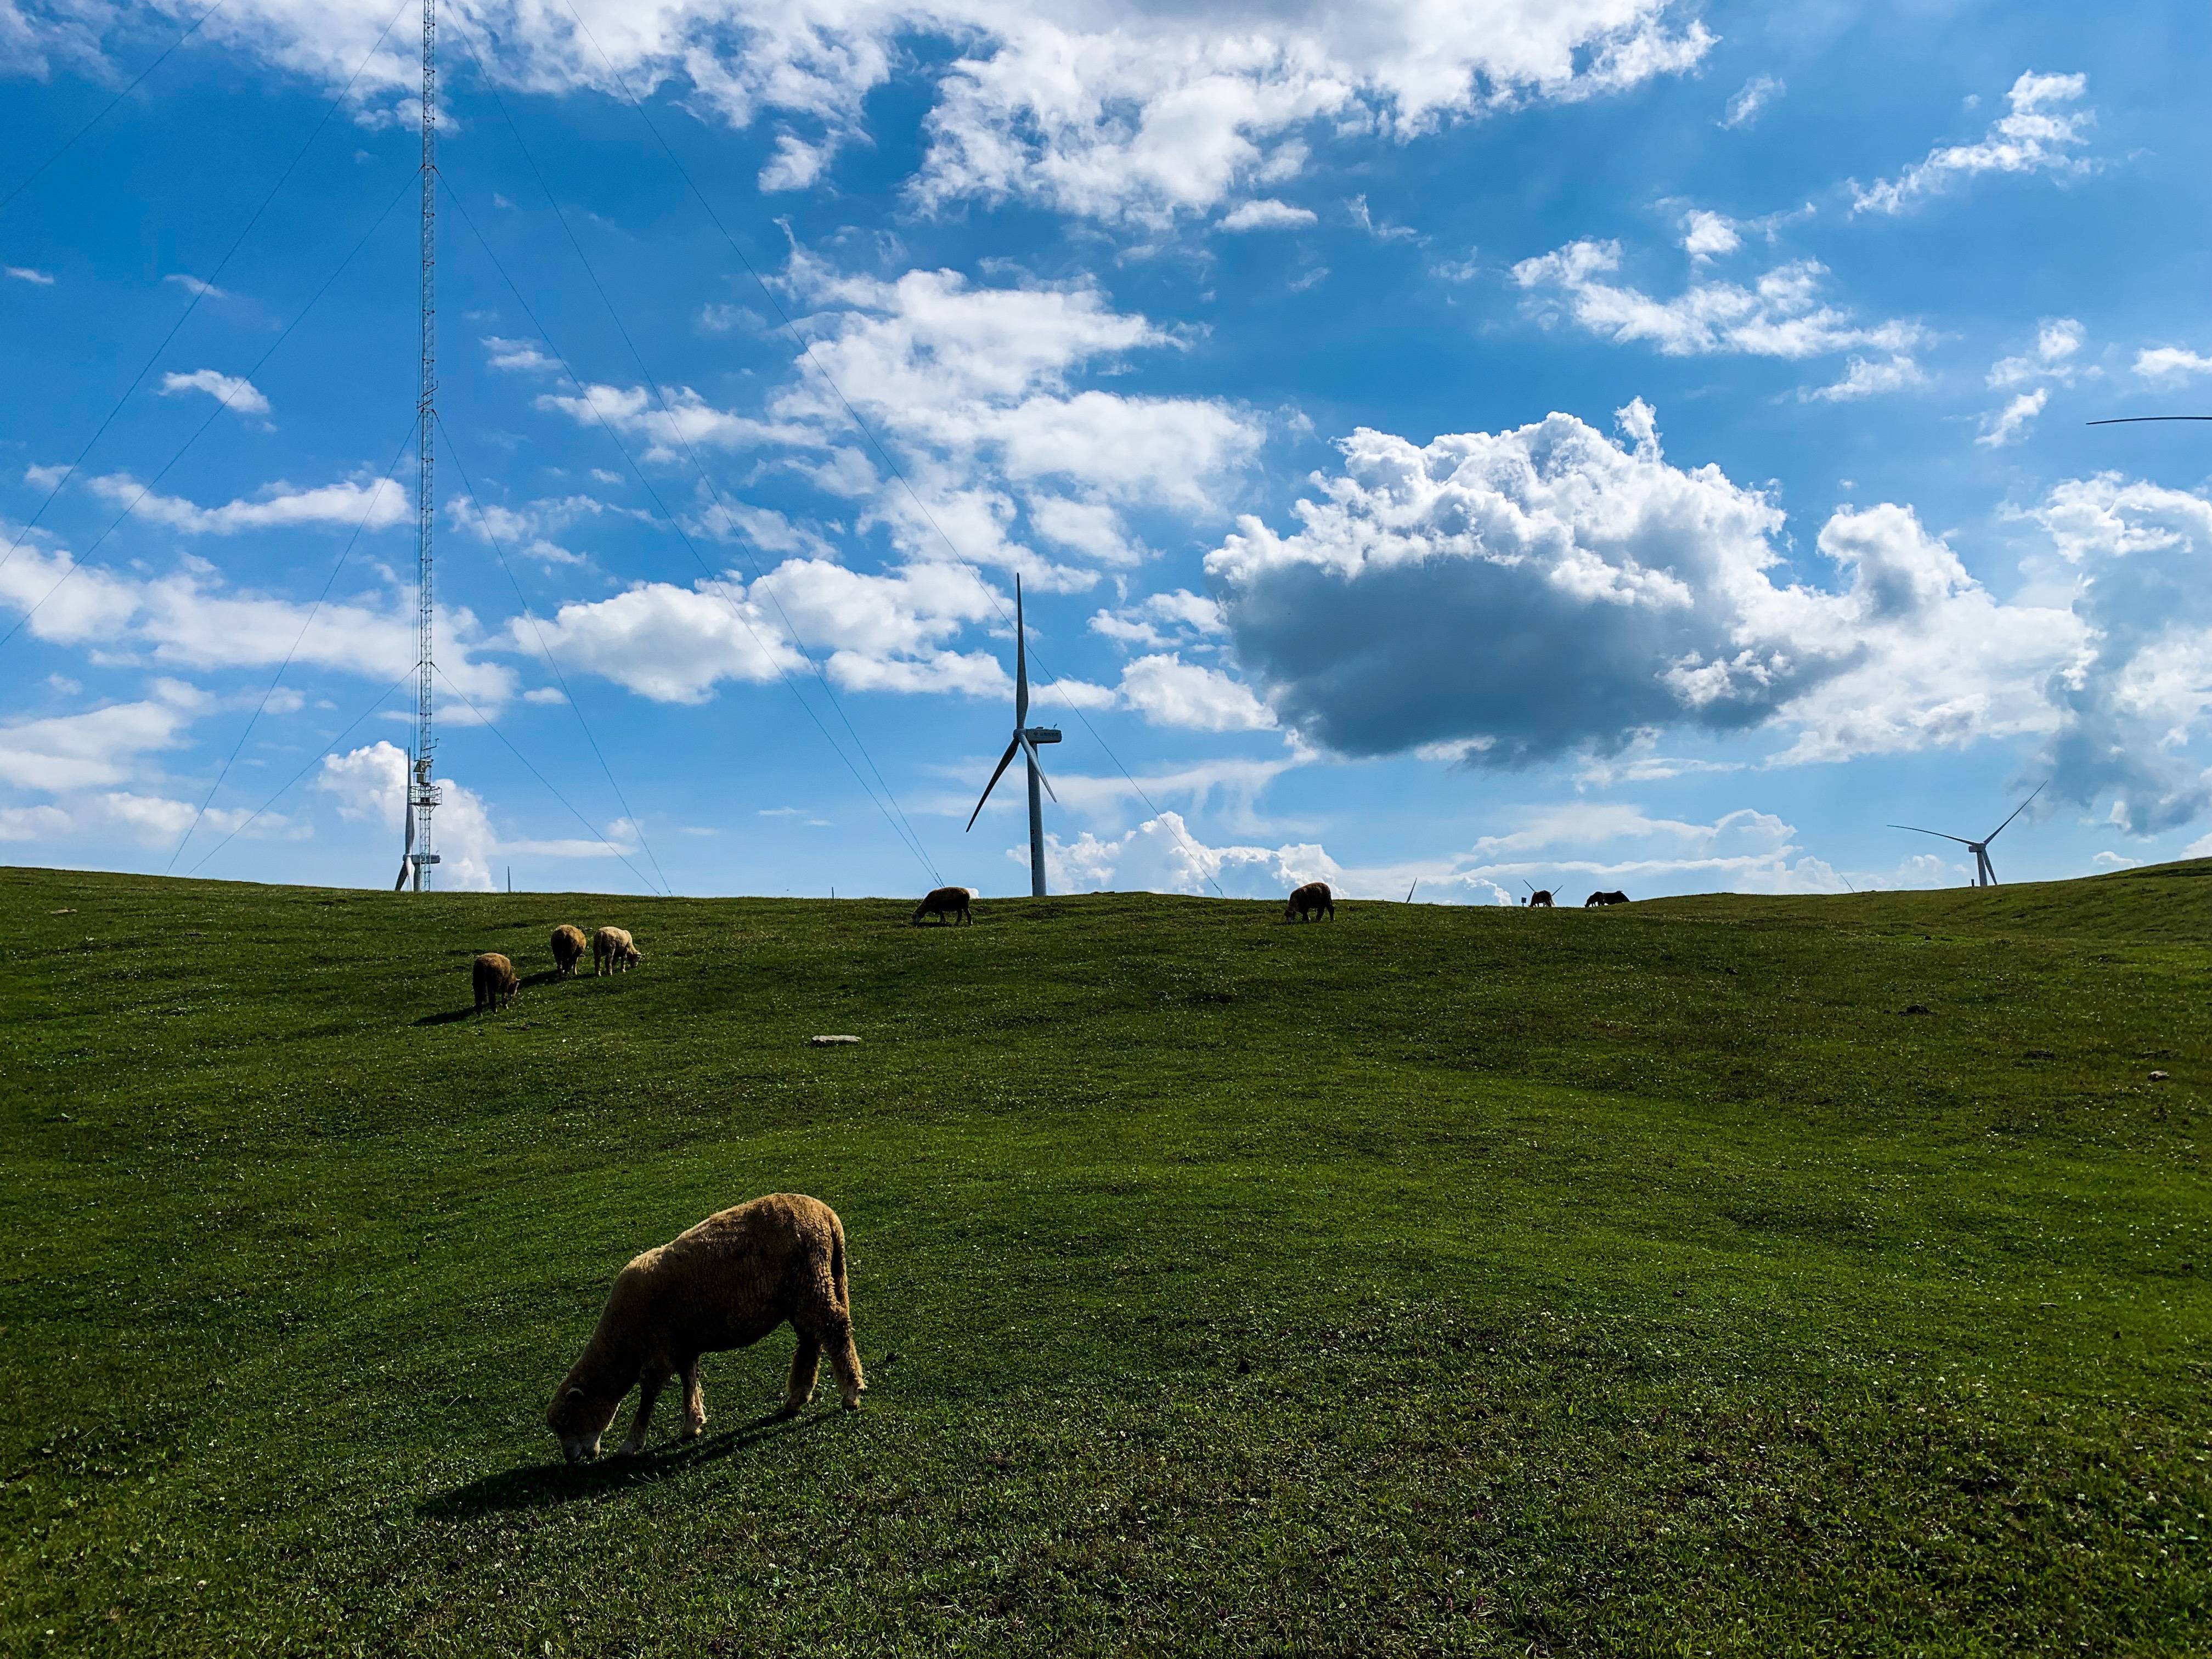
{"points": [[495, 982], [743, 1272]]}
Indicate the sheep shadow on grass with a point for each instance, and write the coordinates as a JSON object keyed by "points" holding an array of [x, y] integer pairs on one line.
{"points": [[549, 1484], [544, 976]]}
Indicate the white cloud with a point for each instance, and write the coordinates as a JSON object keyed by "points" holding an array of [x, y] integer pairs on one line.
{"points": [[26, 274], [796, 164], [979, 392], [1267, 214], [1161, 856], [1865, 377], [1160, 619], [978, 387], [99, 749], [1745, 103], [529, 529], [2010, 424], [718, 317], [1115, 110], [1782, 315], [517, 356], [1145, 115], [2038, 134], [668, 643], [2142, 685], [1169, 691], [1546, 590], [194, 285], [887, 632], [188, 618], [681, 418], [33, 822], [2162, 363], [2058, 341], [378, 504], [1708, 235], [1365, 219], [240, 395]]}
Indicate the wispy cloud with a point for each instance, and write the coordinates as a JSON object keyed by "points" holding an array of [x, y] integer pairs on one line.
{"points": [[1267, 214], [2038, 135], [1782, 314], [2171, 362], [232, 390], [1749, 98], [26, 274], [194, 285]]}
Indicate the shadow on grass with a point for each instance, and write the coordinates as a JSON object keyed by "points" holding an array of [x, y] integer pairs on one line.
{"points": [[547, 1485], [446, 1018]]}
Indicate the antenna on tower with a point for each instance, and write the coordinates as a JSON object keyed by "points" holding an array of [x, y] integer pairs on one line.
{"points": [[421, 792]]}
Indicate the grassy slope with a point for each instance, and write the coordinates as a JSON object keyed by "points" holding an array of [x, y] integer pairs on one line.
{"points": [[1440, 1280]]}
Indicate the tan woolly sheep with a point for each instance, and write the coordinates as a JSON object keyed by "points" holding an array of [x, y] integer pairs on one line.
{"points": [[725, 1283]]}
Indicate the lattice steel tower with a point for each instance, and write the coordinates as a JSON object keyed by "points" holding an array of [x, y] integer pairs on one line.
{"points": [[421, 792]]}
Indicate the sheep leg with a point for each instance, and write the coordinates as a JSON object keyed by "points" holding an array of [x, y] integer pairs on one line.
{"points": [[649, 1390], [805, 1366], [695, 1406], [844, 1358]]}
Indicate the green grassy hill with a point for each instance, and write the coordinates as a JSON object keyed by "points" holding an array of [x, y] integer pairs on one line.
{"points": [[1438, 1281]]}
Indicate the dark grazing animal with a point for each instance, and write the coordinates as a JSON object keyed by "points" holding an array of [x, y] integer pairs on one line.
{"points": [[494, 981], [1541, 899], [725, 1283], [1614, 898], [945, 903], [568, 949], [1312, 900]]}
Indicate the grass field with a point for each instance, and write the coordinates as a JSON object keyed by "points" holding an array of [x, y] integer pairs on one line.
{"points": [[1438, 1281]]}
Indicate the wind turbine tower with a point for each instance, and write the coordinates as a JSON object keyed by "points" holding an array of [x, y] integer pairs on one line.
{"points": [[421, 792], [1985, 875], [1026, 738]]}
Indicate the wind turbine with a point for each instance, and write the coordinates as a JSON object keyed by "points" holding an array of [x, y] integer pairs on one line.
{"points": [[1983, 875], [1026, 738]]}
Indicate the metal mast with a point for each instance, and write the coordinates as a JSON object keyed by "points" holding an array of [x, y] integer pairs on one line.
{"points": [[421, 792]]}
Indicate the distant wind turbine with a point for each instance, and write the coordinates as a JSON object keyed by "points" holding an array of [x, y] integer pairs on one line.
{"points": [[1025, 739], [1983, 875]]}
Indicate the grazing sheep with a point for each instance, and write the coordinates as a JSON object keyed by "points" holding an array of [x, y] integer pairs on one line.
{"points": [[725, 1283], [494, 980], [568, 950], [611, 949], [1614, 898], [946, 902], [1541, 899], [1313, 899]]}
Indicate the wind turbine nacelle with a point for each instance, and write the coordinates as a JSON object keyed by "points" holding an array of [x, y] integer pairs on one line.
{"points": [[424, 857], [1042, 734]]}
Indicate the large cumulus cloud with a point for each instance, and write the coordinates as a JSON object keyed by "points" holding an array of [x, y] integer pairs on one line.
{"points": [[1529, 592], [1513, 597], [2138, 691]]}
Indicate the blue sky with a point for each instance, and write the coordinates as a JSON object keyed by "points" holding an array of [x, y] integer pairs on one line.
{"points": [[1626, 444]]}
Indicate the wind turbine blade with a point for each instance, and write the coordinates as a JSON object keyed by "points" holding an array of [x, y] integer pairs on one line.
{"points": [[407, 808], [1004, 761], [1039, 765], [1021, 662], [2016, 812], [1917, 830]]}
